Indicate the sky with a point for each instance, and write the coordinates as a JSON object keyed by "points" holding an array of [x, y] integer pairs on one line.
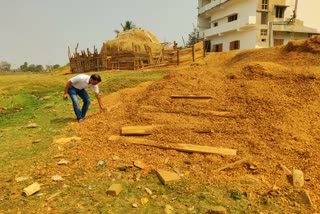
{"points": [[40, 31]]}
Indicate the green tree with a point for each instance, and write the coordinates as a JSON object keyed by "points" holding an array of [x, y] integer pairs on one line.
{"points": [[24, 67], [56, 66], [128, 25], [38, 68], [193, 37], [31, 68], [5, 66]]}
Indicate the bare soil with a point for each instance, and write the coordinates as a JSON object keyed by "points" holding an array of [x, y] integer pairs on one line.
{"points": [[272, 97]]}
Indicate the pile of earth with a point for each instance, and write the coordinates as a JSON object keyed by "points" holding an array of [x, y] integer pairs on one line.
{"points": [[269, 104]]}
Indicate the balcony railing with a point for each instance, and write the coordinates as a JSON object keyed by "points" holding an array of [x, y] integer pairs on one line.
{"points": [[211, 5], [240, 24]]}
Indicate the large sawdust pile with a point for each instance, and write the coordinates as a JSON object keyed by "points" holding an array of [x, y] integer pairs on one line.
{"points": [[273, 105], [137, 37]]}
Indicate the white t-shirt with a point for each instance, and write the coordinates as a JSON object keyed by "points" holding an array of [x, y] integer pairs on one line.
{"points": [[81, 81]]}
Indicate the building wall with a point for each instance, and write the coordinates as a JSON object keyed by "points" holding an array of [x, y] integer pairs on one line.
{"points": [[248, 28], [243, 9], [219, 16], [247, 39]]}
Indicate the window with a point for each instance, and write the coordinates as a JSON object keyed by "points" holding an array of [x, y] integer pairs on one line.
{"points": [[264, 4], [234, 45], [280, 11], [263, 32], [215, 24], [217, 47], [232, 18], [264, 18]]}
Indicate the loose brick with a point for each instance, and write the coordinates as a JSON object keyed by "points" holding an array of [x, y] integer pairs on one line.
{"points": [[114, 189], [167, 176]]}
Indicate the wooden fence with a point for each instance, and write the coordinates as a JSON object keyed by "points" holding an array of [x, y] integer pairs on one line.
{"points": [[117, 59]]}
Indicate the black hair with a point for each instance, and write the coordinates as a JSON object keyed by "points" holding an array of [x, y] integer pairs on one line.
{"points": [[96, 77]]}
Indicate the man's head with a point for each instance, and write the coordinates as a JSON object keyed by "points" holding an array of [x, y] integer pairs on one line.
{"points": [[95, 79]]}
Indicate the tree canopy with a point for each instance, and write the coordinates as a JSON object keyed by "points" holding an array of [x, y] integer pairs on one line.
{"points": [[128, 25]]}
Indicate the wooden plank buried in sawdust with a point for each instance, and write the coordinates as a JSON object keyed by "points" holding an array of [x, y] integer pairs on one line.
{"points": [[179, 146], [137, 130], [191, 96]]}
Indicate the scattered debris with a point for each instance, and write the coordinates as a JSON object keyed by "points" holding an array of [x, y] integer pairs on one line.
{"points": [[148, 191], [57, 178], [63, 162], [115, 158], [168, 209], [217, 210], [31, 189], [139, 164], [20, 179], [124, 168], [53, 196], [297, 178], [114, 189], [36, 141], [285, 169], [48, 106], [101, 163], [45, 98], [231, 165], [306, 199], [31, 125], [144, 201], [167, 176]]}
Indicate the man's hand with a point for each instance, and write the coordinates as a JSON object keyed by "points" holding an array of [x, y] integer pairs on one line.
{"points": [[65, 96]]}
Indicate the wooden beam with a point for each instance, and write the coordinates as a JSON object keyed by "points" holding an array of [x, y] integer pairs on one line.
{"points": [[137, 130], [191, 96], [221, 113], [178, 146]]}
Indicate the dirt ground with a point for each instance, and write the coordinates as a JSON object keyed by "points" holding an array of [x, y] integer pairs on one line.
{"points": [[265, 104]]}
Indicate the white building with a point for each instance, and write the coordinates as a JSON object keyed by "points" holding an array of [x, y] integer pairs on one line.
{"points": [[242, 24]]}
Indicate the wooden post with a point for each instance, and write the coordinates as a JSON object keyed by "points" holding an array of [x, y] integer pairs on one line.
{"points": [[192, 53], [69, 54], [178, 56], [204, 48]]}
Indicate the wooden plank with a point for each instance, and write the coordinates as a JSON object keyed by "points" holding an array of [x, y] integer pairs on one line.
{"points": [[221, 113], [178, 146], [191, 96], [137, 130], [204, 149]]}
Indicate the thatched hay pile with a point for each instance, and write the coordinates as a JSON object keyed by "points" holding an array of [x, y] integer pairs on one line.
{"points": [[135, 37], [311, 45]]}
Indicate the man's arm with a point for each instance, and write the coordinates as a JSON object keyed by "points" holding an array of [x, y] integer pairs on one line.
{"points": [[99, 100], [66, 89]]}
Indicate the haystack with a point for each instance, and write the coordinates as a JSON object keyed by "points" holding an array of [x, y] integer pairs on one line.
{"points": [[138, 38], [311, 45]]}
